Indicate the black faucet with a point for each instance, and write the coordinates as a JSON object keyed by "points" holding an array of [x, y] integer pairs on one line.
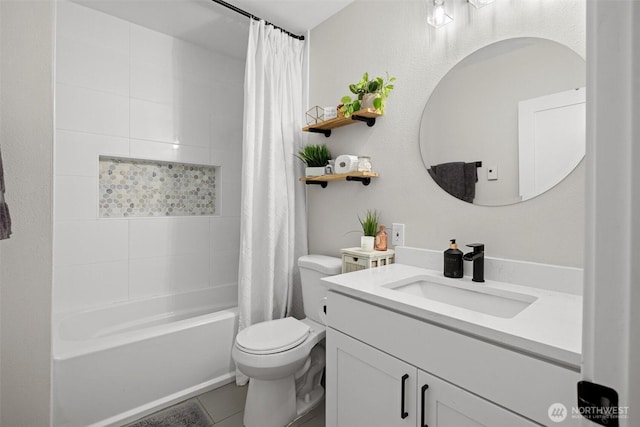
{"points": [[477, 256]]}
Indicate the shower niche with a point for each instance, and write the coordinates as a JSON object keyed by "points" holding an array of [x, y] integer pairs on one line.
{"points": [[150, 188]]}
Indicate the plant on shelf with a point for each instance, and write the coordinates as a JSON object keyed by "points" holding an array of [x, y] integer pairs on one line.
{"points": [[369, 94], [316, 157]]}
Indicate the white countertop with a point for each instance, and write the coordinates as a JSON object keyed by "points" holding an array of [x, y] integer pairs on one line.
{"points": [[551, 327]]}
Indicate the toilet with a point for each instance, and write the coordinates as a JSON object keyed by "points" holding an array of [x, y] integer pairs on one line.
{"points": [[285, 358]]}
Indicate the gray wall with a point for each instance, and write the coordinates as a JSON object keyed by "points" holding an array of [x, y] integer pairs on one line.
{"points": [[393, 36], [26, 258]]}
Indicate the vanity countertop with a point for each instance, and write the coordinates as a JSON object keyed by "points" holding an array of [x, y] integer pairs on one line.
{"points": [[551, 327]]}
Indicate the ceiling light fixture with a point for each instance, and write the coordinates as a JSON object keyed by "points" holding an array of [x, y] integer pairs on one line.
{"points": [[437, 13], [480, 3]]}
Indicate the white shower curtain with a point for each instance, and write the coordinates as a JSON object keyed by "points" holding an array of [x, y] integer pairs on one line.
{"points": [[273, 218]]}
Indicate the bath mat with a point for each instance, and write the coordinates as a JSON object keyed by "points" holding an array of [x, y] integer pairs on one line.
{"points": [[187, 414]]}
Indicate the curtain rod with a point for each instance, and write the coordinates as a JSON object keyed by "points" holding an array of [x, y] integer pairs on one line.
{"points": [[249, 15]]}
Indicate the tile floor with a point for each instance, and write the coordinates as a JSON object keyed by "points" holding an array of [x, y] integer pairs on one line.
{"points": [[225, 407]]}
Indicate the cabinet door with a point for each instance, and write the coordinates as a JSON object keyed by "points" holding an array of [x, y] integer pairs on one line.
{"points": [[442, 404], [366, 387]]}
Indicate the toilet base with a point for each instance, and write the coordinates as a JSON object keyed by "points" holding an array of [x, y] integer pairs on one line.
{"points": [[309, 401], [264, 396]]}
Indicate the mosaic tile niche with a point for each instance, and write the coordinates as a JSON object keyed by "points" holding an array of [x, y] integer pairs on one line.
{"points": [[147, 188]]}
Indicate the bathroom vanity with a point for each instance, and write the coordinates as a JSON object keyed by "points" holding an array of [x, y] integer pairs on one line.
{"points": [[409, 347]]}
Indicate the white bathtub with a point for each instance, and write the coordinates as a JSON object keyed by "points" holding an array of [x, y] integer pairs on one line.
{"points": [[113, 365]]}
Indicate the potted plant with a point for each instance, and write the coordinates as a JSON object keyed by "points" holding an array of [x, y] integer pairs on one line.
{"points": [[369, 229], [369, 94], [316, 157]]}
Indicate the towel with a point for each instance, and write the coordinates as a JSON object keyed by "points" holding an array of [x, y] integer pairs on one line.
{"points": [[456, 178], [5, 218]]}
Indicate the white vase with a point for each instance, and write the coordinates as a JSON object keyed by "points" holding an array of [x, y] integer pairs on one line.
{"points": [[314, 171], [366, 243]]}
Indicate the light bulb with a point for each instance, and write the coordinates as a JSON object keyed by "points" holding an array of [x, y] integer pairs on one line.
{"points": [[438, 15]]}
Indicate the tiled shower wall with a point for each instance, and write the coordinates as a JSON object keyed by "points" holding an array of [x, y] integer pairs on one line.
{"points": [[129, 92]]}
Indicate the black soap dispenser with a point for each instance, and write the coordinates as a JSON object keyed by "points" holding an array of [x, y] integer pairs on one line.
{"points": [[453, 261]]}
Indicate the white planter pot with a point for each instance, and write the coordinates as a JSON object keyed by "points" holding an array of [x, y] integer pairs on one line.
{"points": [[314, 171], [367, 100], [366, 243]]}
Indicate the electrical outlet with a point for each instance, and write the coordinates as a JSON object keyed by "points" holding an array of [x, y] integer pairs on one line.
{"points": [[397, 234], [492, 173]]}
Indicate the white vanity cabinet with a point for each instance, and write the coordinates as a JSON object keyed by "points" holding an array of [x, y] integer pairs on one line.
{"points": [[379, 360], [446, 405], [368, 388], [374, 389]]}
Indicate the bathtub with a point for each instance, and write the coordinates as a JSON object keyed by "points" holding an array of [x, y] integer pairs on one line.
{"points": [[116, 364]]}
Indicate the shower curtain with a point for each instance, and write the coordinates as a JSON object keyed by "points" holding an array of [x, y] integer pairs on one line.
{"points": [[273, 230]]}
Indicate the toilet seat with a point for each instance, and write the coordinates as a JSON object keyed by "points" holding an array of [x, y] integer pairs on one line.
{"points": [[273, 336]]}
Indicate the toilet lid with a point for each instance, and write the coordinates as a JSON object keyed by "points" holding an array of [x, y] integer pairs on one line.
{"points": [[272, 336]]}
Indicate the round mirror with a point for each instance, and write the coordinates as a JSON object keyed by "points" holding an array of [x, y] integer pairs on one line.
{"points": [[506, 123]]}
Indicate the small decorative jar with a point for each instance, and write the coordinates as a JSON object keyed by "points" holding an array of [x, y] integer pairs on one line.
{"points": [[364, 164]]}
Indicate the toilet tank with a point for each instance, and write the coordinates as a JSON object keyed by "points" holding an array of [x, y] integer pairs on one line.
{"points": [[314, 291]]}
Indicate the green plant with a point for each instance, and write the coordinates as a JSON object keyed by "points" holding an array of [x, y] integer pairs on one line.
{"points": [[349, 106], [378, 86], [369, 223], [315, 155]]}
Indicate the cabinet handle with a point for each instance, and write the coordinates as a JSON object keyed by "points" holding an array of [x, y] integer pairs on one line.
{"points": [[422, 406], [403, 414]]}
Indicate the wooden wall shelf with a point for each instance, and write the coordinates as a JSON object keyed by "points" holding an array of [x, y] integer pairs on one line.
{"points": [[363, 177], [367, 115]]}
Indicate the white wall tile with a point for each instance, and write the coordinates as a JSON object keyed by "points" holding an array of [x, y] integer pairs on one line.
{"points": [[169, 123], [83, 64], [153, 50], [153, 121], [225, 235], [96, 28], [152, 150], [226, 134], [193, 62], [229, 184], [87, 242], [76, 197], [77, 152], [228, 203], [194, 127], [232, 104], [92, 111], [224, 268], [151, 84], [169, 56], [227, 70], [124, 90], [196, 95], [165, 275], [76, 287], [230, 160], [157, 237]]}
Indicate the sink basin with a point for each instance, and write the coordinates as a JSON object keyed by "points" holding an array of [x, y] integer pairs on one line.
{"points": [[495, 302]]}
